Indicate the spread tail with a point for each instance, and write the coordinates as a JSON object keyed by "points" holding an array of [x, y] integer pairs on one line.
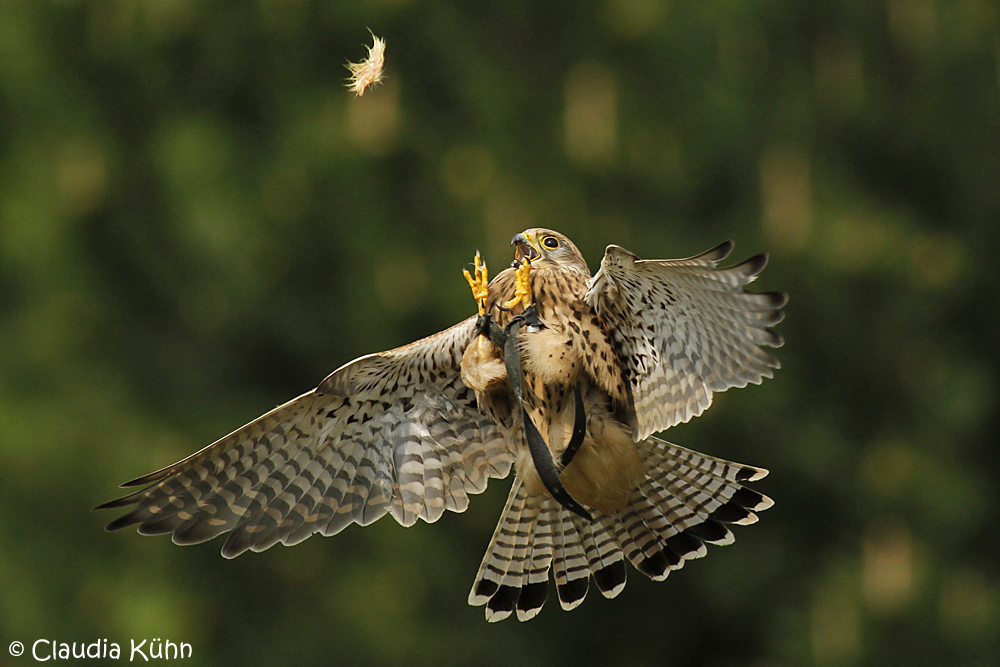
{"points": [[685, 500]]}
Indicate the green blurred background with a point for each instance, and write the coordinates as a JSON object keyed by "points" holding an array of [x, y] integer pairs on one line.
{"points": [[198, 222]]}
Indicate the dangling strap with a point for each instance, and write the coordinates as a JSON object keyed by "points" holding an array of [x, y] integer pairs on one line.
{"points": [[579, 429], [509, 341]]}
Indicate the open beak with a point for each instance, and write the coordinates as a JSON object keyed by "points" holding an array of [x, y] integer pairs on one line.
{"points": [[524, 249]]}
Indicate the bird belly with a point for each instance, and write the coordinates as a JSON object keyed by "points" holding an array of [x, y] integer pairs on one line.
{"points": [[549, 355], [606, 469]]}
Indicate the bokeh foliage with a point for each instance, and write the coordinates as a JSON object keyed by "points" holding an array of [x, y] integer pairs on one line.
{"points": [[198, 222]]}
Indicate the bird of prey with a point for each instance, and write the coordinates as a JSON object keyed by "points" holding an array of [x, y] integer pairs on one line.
{"points": [[563, 376]]}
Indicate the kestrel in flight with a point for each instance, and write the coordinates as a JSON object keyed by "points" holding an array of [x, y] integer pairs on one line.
{"points": [[563, 375]]}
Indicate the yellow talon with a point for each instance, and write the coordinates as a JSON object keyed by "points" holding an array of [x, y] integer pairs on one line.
{"points": [[480, 284], [522, 285]]}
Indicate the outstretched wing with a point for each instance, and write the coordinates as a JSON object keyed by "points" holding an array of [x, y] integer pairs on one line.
{"points": [[396, 431], [684, 329]]}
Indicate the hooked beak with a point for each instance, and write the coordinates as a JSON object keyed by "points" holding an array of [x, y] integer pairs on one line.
{"points": [[525, 248]]}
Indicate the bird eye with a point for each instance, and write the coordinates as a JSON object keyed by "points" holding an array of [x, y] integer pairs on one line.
{"points": [[550, 242]]}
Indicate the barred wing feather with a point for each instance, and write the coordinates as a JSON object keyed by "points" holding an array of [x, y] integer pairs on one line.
{"points": [[394, 432], [684, 329]]}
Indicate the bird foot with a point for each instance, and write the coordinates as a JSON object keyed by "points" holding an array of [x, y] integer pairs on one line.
{"points": [[522, 286], [480, 284]]}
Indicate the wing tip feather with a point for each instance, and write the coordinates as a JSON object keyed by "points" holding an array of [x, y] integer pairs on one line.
{"points": [[751, 267], [124, 521], [718, 253], [778, 299], [124, 501]]}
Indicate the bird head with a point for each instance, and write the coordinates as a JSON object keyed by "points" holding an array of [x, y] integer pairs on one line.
{"points": [[545, 248]]}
